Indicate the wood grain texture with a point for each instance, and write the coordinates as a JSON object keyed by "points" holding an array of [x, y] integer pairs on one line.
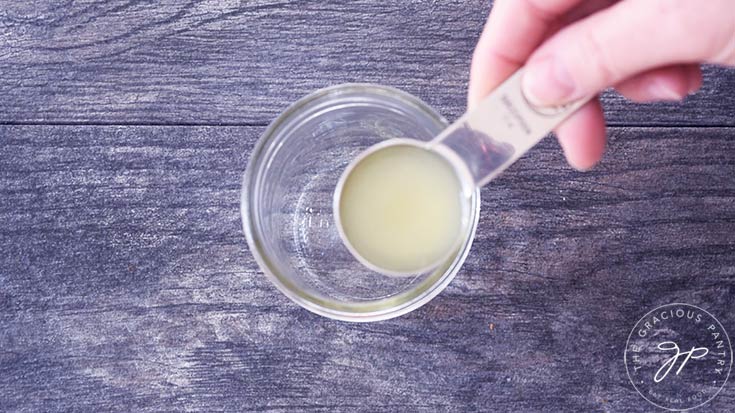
{"points": [[126, 284], [243, 62]]}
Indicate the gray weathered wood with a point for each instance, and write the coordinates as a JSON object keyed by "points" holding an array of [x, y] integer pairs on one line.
{"points": [[126, 284], [235, 62]]}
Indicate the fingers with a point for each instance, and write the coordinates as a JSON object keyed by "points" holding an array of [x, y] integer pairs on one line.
{"points": [[582, 136], [513, 30], [667, 83], [627, 38]]}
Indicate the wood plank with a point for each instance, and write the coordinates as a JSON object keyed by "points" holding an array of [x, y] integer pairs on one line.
{"points": [[126, 284], [197, 62]]}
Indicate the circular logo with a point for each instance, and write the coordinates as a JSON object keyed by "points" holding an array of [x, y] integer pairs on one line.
{"points": [[678, 357]]}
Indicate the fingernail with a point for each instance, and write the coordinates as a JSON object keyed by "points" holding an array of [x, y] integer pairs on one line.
{"points": [[582, 163], [582, 167], [663, 91], [547, 82], [694, 85]]}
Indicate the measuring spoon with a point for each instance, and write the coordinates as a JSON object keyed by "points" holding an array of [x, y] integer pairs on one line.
{"points": [[480, 145]]}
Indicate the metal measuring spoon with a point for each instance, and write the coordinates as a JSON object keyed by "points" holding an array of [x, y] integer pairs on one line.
{"points": [[480, 144]]}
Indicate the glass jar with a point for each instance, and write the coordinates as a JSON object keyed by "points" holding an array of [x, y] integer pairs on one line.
{"points": [[287, 195]]}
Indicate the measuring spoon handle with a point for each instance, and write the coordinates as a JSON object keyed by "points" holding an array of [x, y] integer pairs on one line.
{"points": [[503, 127]]}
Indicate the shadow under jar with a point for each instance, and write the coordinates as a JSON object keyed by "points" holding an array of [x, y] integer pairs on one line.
{"points": [[287, 199]]}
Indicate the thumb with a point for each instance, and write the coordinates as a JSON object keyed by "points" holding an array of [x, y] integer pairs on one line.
{"points": [[625, 39]]}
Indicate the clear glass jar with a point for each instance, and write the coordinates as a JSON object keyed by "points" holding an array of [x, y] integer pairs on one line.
{"points": [[287, 195]]}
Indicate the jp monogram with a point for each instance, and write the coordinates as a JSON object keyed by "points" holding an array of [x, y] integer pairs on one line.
{"points": [[678, 357]]}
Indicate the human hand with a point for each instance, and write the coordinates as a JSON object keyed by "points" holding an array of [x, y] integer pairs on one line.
{"points": [[649, 50]]}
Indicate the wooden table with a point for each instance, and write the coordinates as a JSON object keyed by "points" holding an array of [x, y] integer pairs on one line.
{"points": [[126, 283]]}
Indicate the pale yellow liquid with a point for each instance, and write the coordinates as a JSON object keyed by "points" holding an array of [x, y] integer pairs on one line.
{"points": [[402, 209]]}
